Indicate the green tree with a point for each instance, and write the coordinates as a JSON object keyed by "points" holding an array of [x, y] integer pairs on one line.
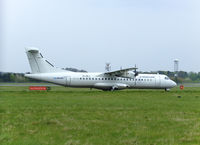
{"points": [[182, 74], [12, 77], [193, 76]]}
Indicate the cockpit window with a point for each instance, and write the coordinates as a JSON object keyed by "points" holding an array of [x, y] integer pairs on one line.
{"points": [[166, 78]]}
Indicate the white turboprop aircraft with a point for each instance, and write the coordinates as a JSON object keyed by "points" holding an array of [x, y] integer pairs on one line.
{"points": [[113, 80]]}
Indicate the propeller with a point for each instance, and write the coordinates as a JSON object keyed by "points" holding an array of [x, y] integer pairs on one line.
{"points": [[135, 71]]}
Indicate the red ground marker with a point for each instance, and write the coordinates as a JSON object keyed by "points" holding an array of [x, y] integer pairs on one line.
{"points": [[40, 88], [181, 87]]}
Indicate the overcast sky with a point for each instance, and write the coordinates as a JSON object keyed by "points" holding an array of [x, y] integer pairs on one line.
{"points": [[86, 34]]}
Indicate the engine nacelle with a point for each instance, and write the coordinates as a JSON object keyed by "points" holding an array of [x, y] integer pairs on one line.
{"points": [[128, 74]]}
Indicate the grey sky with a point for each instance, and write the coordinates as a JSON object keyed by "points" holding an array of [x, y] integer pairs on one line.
{"points": [[86, 33]]}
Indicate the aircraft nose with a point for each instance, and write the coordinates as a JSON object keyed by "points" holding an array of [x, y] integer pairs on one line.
{"points": [[173, 84]]}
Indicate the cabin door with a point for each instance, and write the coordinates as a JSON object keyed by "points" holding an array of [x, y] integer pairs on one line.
{"points": [[68, 81]]}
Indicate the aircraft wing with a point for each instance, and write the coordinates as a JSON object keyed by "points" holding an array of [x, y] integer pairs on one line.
{"points": [[120, 73]]}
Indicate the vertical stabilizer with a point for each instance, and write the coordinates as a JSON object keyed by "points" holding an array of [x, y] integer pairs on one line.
{"points": [[38, 63]]}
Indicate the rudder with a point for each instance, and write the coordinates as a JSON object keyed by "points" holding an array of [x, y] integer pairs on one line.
{"points": [[37, 63]]}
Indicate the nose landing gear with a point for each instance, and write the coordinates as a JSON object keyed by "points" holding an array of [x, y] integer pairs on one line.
{"points": [[167, 89]]}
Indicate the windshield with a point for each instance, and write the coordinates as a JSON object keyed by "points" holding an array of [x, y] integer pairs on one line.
{"points": [[166, 78]]}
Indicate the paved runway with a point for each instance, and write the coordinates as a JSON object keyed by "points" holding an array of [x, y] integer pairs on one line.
{"points": [[48, 84]]}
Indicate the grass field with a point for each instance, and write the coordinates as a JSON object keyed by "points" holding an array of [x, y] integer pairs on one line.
{"points": [[66, 116]]}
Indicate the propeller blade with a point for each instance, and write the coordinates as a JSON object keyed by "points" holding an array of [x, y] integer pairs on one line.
{"points": [[135, 71]]}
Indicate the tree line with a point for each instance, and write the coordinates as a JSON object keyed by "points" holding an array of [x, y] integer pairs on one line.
{"points": [[20, 78], [182, 76], [15, 77]]}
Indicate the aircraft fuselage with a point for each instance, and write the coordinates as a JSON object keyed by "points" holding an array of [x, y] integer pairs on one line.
{"points": [[105, 82]]}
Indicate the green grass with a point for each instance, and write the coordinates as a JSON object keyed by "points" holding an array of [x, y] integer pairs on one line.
{"points": [[67, 116]]}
